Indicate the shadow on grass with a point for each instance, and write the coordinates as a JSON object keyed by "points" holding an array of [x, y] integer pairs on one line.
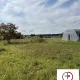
{"points": [[1, 50]]}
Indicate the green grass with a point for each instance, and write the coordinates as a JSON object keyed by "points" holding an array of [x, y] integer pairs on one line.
{"points": [[32, 59]]}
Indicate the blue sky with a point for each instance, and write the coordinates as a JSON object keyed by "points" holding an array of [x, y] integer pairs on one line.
{"points": [[41, 16]]}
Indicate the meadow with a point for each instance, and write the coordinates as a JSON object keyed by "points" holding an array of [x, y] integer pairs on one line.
{"points": [[37, 59]]}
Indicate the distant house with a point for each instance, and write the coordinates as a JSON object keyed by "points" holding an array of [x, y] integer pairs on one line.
{"points": [[71, 35]]}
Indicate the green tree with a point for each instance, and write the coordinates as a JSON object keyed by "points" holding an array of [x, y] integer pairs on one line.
{"points": [[8, 31]]}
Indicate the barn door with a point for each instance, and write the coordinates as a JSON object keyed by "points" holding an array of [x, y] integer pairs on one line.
{"points": [[69, 37]]}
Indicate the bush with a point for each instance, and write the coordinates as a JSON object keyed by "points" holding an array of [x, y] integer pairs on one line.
{"points": [[1, 37], [38, 40]]}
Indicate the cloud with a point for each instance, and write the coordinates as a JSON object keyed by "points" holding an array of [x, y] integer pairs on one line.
{"points": [[41, 16]]}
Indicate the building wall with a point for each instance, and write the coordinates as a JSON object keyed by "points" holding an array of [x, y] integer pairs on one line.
{"points": [[73, 35]]}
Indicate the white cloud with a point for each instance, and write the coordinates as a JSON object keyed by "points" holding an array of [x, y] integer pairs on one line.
{"points": [[38, 18]]}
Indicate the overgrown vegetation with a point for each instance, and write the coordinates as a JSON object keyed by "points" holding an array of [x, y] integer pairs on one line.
{"points": [[37, 60], [8, 32]]}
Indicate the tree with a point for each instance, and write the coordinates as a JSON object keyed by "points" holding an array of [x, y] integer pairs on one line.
{"points": [[8, 31], [18, 35], [41, 36], [32, 35]]}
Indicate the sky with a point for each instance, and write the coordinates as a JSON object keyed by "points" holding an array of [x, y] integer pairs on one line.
{"points": [[41, 16]]}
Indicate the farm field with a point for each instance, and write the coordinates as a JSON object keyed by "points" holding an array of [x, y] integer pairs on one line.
{"points": [[37, 59]]}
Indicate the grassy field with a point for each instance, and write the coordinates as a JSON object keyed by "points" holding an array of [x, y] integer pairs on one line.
{"points": [[35, 59]]}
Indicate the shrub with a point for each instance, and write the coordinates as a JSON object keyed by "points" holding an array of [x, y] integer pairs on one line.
{"points": [[38, 40]]}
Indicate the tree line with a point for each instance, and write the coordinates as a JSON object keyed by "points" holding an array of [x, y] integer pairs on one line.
{"points": [[9, 31]]}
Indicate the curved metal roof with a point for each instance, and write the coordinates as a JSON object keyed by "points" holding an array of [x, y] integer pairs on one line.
{"points": [[77, 31]]}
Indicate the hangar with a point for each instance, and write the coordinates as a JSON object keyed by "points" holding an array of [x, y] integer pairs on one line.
{"points": [[71, 35]]}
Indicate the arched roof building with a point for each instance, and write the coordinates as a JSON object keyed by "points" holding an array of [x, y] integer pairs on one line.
{"points": [[71, 34]]}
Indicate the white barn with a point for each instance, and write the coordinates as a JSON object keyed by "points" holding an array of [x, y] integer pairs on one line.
{"points": [[71, 35]]}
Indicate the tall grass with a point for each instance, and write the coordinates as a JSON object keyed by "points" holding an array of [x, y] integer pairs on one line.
{"points": [[37, 59]]}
